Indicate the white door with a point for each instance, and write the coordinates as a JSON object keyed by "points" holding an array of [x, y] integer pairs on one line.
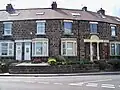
{"points": [[18, 51], [27, 51]]}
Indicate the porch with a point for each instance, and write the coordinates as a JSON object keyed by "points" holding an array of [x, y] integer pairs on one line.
{"points": [[96, 49]]}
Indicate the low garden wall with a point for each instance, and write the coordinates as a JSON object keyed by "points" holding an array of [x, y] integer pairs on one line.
{"points": [[52, 69]]}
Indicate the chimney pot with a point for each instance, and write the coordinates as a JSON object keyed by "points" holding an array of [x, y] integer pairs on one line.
{"points": [[9, 8], [101, 11], [54, 5], [84, 8]]}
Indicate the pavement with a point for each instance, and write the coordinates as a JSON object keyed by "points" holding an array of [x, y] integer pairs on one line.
{"points": [[94, 82], [69, 74]]}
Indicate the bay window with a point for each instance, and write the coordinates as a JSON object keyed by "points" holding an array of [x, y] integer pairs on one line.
{"points": [[115, 49], [7, 48], [68, 48], [40, 48]]}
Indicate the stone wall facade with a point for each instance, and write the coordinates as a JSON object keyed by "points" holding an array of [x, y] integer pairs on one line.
{"points": [[54, 32]]}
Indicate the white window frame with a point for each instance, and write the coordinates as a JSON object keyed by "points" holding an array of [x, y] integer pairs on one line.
{"points": [[67, 41], [40, 21], [8, 49], [8, 29], [115, 48], [112, 25], [97, 27], [39, 40], [68, 21]]}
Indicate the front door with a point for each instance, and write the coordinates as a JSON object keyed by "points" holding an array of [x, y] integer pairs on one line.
{"points": [[18, 51], [27, 51]]}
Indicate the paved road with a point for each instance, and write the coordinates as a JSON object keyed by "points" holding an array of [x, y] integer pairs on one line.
{"points": [[103, 82]]}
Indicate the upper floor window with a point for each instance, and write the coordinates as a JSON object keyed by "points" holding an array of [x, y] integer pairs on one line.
{"points": [[7, 28], [41, 27], [113, 30], [93, 27], [68, 27], [68, 47]]}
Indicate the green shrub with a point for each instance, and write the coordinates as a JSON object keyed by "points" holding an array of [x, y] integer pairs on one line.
{"points": [[52, 61]]}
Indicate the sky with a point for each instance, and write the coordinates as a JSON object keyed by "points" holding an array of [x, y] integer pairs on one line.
{"points": [[111, 7]]}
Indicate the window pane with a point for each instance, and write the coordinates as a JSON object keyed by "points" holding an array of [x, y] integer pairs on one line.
{"points": [[10, 45], [113, 31], [33, 49], [117, 49], [69, 52], [112, 49], [74, 49], [11, 50], [93, 28], [67, 27], [45, 49], [4, 47], [41, 27], [70, 45], [39, 48], [64, 51], [7, 32], [64, 46], [7, 28]]}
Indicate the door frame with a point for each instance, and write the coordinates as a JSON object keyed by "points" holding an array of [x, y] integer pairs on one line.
{"points": [[23, 41], [17, 52], [27, 46]]}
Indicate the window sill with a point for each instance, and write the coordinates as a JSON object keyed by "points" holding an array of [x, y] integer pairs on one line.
{"points": [[114, 36], [115, 55], [6, 56], [40, 34], [94, 33], [68, 33], [41, 56], [7, 35], [70, 55]]}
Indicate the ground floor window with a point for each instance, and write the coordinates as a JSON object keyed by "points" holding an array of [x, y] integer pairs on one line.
{"points": [[68, 48], [40, 48], [115, 49], [7, 48]]}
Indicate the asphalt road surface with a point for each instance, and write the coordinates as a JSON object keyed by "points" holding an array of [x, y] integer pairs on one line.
{"points": [[101, 82]]}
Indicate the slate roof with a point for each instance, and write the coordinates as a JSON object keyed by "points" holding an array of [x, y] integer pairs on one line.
{"points": [[59, 13]]}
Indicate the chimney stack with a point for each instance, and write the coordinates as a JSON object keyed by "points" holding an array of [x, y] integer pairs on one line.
{"points": [[54, 5], [10, 9], [101, 11], [84, 8]]}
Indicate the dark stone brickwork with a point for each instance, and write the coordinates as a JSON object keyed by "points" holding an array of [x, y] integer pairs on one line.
{"points": [[55, 31]]}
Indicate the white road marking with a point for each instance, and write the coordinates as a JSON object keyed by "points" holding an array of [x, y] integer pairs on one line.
{"points": [[107, 86], [76, 84], [92, 84], [58, 83], [29, 81], [44, 82], [81, 83]]}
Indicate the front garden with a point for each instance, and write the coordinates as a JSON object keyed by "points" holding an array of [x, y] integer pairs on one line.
{"points": [[58, 64]]}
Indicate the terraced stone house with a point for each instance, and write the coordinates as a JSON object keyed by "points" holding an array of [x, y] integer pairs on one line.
{"points": [[26, 34]]}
